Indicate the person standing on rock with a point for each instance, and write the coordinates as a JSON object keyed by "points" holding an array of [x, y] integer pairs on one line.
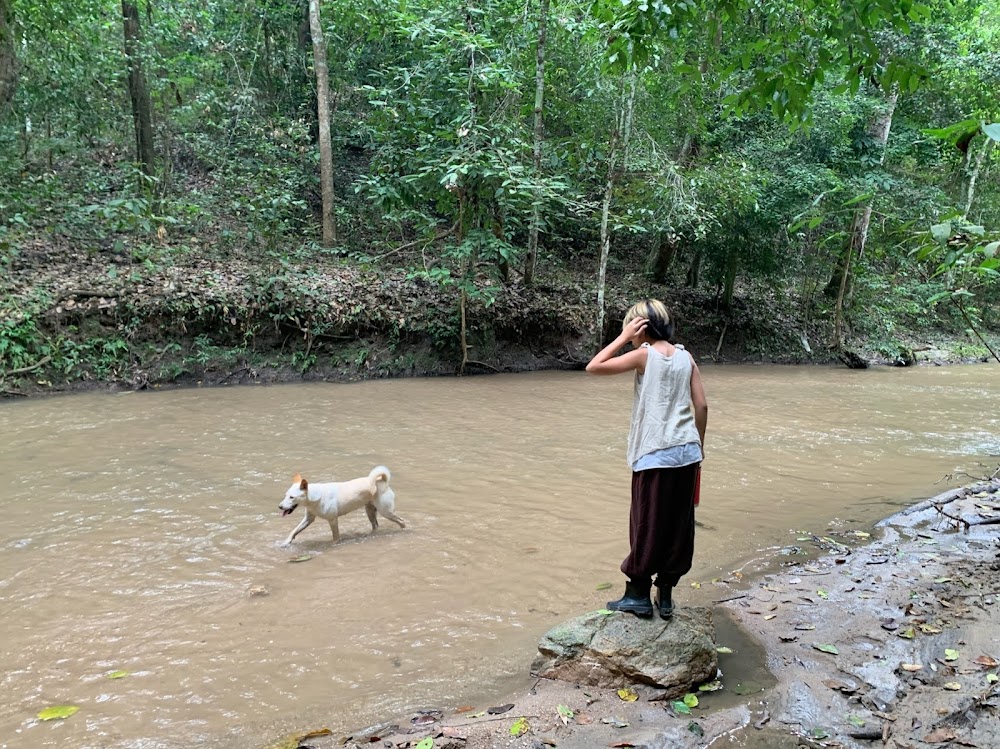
{"points": [[665, 450]]}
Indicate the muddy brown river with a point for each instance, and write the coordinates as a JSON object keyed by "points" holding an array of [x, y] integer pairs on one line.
{"points": [[134, 526]]}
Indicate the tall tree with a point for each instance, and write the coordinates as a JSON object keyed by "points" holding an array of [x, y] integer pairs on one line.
{"points": [[532, 255], [618, 152], [323, 114], [881, 124], [142, 111], [8, 55]]}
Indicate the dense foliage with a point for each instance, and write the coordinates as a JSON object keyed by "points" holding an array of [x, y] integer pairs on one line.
{"points": [[793, 151]]}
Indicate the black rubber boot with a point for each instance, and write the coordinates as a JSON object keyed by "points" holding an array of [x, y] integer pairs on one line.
{"points": [[664, 601], [635, 601]]}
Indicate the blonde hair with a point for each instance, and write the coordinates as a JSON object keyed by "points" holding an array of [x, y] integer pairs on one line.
{"points": [[661, 325]]}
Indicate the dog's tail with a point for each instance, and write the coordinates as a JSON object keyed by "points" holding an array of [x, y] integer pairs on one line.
{"points": [[380, 478]]}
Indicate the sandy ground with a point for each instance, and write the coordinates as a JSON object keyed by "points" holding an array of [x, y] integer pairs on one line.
{"points": [[890, 639]]}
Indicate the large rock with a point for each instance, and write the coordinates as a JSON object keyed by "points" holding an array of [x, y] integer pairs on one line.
{"points": [[618, 650]]}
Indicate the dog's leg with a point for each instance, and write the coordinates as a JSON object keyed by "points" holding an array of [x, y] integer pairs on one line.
{"points": [[388, 513], [372, 516], [306, 522], [335, 528]]}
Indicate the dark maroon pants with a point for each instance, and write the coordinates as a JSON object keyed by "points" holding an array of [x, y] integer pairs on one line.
{"points": [[661, 525]]}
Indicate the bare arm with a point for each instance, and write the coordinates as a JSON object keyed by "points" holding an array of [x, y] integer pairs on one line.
{"points": [[699, 401], [606, 363]]}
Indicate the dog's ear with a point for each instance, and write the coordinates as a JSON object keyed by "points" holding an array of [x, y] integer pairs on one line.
{"points": [[296, 478], [303, 485]]}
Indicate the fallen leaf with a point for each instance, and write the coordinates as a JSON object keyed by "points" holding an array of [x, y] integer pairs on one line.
{"points": [[831, 649], [499, 710], [58, 712], [303, 558], [423, 720], [940, 736], [952, 686], [819, 733], [480, 714], [854, 720], [427, 743], [910, 667], [616, 722], [519, 727], [605, 612], [769, 617], [565, 713], [696, 729], [691, 699], [724, 650], [942, 580], [695, 585], [712, 686], [805, 627], [582, 719], [118, 674], [930, 629], [453, 732], [907, 633], [987, 662], [680, 708], [822, 593], [992, 678], [604, 586], [464, 709], [951, 655], [627, 695]]}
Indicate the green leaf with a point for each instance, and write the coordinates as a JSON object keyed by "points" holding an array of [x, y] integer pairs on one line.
{"points": [[822, 593], [118, 674], [831, 649], [712, 686], [604, 586], [59, 712], [680, 708], [854, 720], [724, 650], [992, 678], [696, 729], [627, 695], [303, 558], [605, 612], [941, 232], [427, 743], [951, 655], [691, 699], [819, 733], [564, 711], [520, 727]]}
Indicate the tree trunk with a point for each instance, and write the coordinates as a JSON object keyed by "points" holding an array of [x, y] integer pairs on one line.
{"points": [[142, 110], [323, 114], [694, 271], [619, 147], [970, 193], [879, 130], [532, 257], [661, 258], [8, 55], [729, 283]]}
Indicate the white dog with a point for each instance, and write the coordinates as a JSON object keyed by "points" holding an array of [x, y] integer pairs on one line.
{"points": [[333, 499]]}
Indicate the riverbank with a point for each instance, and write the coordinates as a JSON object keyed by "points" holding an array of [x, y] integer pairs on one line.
{"points": [[888, 639], [84, 321]]}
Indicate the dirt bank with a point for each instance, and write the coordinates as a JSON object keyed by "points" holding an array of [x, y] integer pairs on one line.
{"points": [[71, 320], [889, 639]]}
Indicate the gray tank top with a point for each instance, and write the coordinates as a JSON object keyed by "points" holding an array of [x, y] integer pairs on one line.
{"points": [[662, 412]]}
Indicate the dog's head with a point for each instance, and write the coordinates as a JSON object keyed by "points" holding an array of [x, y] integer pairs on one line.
{"points": [[294, 495]]}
